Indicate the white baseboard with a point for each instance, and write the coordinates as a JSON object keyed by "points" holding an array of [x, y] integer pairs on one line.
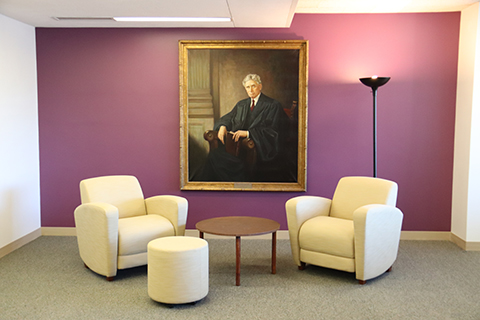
{"points": [[58, 231], [425, 235], [20, 242], [281, 235], [465, 245]]}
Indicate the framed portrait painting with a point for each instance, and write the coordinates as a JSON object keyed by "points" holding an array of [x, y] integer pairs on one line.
{"points": [[243, 115]]}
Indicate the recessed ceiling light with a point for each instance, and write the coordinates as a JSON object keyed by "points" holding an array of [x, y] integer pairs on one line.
{"points": [[171, 19], [82, 18]]}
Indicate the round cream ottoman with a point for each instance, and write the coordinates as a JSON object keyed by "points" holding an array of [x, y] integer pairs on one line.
{"points": [[177, 269]]}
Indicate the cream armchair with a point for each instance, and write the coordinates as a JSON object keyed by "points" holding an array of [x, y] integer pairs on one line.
{"points": [[357, 231], [114, 223]]}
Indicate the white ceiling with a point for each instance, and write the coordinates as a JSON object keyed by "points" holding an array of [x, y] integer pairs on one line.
{"points": [[381, 6], [243, 13]]}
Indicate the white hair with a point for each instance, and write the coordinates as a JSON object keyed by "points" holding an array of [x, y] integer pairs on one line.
{"points": [[252, 76]]}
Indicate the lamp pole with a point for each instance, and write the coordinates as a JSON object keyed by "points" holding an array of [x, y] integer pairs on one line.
{"points": [[374, 82], [374, 93]]}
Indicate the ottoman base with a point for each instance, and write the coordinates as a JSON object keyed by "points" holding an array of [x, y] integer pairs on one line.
{"points": [[177, 270]]}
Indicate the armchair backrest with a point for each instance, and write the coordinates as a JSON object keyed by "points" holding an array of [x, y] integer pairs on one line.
{"points": [[353, 192], [123, 192]]}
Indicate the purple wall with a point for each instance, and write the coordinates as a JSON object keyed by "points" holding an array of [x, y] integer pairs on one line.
{"points": [[109, 104]]}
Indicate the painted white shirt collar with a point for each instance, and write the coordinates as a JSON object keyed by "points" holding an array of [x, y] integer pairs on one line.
{"points": [[256, 99]]}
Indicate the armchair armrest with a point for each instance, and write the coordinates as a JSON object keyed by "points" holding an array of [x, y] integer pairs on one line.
{"points": [[96, 225], [211, 137], [299, 210], [173, 208], [377, 235]]}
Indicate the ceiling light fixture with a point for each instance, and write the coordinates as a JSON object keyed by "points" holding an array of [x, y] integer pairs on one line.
{"points": [[171, 19], [82, 18]]}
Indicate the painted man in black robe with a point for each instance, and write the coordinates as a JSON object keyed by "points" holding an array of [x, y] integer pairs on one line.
{"points": [[264, 123]]}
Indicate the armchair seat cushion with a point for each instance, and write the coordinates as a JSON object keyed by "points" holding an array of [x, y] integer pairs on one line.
{"points": [[324, 234], [135, 233]]}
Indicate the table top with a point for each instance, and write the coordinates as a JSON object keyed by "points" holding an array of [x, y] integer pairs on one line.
{"points": [[238, 226]]}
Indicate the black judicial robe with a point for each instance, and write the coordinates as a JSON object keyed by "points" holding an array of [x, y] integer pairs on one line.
{"points": [[264, 124]]}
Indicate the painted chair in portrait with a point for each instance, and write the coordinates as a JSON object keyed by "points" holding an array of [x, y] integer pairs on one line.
{"points": [[244, 148], [281, 169], [115, 223], [357, 231]]}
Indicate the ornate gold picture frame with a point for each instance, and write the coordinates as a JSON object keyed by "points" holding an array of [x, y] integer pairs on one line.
{"points": [[217, 81]]}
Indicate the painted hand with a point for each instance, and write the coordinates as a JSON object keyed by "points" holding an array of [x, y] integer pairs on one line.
{"points": [[222, 132], [240, 134]]}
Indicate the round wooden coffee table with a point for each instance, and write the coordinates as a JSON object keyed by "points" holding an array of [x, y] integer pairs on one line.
{"points": [[238, 227]]}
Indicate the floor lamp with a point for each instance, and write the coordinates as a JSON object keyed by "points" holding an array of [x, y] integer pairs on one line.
{"points": [[374, 82]]}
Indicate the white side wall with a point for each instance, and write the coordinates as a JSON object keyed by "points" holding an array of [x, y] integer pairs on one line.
{"points": [[19, 157], [466, 173]]}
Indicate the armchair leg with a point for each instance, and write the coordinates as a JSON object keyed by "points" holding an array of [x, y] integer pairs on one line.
{"points": [[302, 266], [108, 278]]}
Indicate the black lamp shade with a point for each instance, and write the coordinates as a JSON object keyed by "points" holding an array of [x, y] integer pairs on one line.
{"points": [[374, 82]]}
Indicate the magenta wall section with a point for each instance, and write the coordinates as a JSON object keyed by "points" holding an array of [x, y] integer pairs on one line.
{"points": [[109, 104]]}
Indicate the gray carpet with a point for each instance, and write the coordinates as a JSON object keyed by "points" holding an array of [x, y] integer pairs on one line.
{"points": [[430, 280]]}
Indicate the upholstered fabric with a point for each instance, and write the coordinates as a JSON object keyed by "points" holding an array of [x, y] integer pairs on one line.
{"points": [[357, 231], [114, 235], [124, 192], [327, 260], [299, 210], [329, 235], [178, 269], [170, 207], [353, 192], [135, 233], [97, 236], [132, 260], [377, 237]]}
